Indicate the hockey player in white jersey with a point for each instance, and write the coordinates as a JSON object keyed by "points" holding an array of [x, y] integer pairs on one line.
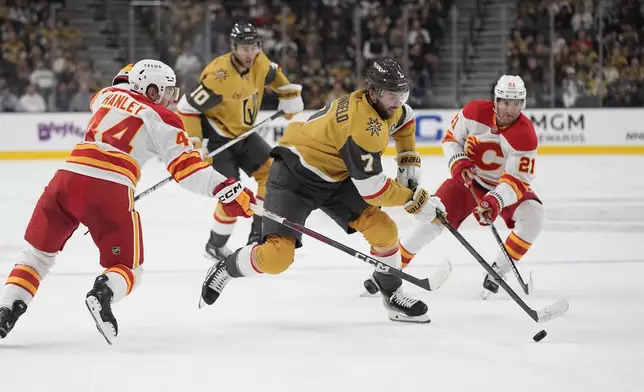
{"points": [[96, 185], [491, 148]]}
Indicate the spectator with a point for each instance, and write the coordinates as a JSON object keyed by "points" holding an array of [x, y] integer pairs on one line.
{"points": [[8, 101], [570, 89], [63, 97], [375, 48], [32, 101], [582, 20], [188, 67], [417, 31], [43, 78], [336, 92], [80, 100]]}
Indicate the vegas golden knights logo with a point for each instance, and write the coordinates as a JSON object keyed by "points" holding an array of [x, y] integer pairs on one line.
{"points": [[250, 108]]}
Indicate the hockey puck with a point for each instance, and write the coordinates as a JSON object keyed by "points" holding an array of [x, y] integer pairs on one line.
{"points": [[540, 335]]}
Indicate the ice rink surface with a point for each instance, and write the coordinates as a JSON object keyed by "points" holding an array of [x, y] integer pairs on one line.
{"points": [[308, 329]]}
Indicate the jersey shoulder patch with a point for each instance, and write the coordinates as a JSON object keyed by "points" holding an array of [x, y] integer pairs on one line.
{"points": [[521, 135], [480, 111]]}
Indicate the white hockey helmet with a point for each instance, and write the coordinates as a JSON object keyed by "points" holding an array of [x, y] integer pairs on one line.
{"points": [[510, 87], [146, 73]]}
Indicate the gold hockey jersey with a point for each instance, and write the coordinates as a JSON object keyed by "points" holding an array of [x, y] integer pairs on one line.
{"points": [[346, 138], [228, 100]]}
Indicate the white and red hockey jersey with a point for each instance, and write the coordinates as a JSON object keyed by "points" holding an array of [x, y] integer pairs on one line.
{"points": [[126, 130], [504, 156]]}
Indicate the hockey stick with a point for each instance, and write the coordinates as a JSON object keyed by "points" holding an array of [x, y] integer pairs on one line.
{"points": [[210, 154], [213, 153], [548, 313], [428, 284], [527, 288]]}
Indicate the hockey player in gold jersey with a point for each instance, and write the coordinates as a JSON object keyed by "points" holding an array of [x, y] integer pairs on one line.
{"points": [[224, 105], [332, 162]]}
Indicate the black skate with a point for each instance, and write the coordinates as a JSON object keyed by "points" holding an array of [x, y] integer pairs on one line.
{"points": [[9, 317], [402, 307], [490, 286], [213, 249], [216, 279], [99, 304], [255, 236]]}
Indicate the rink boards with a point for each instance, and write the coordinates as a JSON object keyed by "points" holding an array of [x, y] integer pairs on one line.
{"points": [[561, 131]]}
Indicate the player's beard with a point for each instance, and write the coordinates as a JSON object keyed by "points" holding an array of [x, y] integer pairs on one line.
{"points": [[384, 112], [245, 64]]}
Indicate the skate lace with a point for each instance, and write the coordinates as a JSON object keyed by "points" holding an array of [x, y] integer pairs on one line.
{"points": [[403, 299], [220, 280]]}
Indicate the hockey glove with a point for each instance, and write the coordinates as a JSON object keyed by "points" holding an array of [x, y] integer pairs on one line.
{"points": [[200, 145], [290, 97], [424, 206], [489, 208], [408, 169], [464, 171], [235, 198]]}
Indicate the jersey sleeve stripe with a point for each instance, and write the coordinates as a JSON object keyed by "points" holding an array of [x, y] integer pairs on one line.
{"points": [[379, 192], [182, 157], [189, 170], [405, 125]]}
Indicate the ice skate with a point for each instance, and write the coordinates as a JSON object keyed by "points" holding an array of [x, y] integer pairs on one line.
{"points": [[213, 251], [99, 304], [402, 307], [216, 279], [9, 317], [490, 286]]}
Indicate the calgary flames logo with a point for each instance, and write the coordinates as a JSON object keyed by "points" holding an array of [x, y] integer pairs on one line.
{"points": [[479, 152]]}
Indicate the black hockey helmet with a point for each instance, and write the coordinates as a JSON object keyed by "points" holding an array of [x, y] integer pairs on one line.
{"points": [[386, 75], [244, 34]]}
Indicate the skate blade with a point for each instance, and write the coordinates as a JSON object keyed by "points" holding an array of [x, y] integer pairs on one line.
{"points": [[485, 294], [400, 317], [202, 303], [106, 329], [367, 294]]}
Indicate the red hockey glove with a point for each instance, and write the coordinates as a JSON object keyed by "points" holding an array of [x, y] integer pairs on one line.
{"points": [[487, 211], [235, 198], [464, 171]]}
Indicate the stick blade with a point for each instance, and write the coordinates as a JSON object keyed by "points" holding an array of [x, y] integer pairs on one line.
{"points": [[553, 311], [441, 275]]}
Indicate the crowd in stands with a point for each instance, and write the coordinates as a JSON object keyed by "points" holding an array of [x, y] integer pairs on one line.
{"points": [[582, 77], [40, 66], [320, 45], [317, 45]]}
